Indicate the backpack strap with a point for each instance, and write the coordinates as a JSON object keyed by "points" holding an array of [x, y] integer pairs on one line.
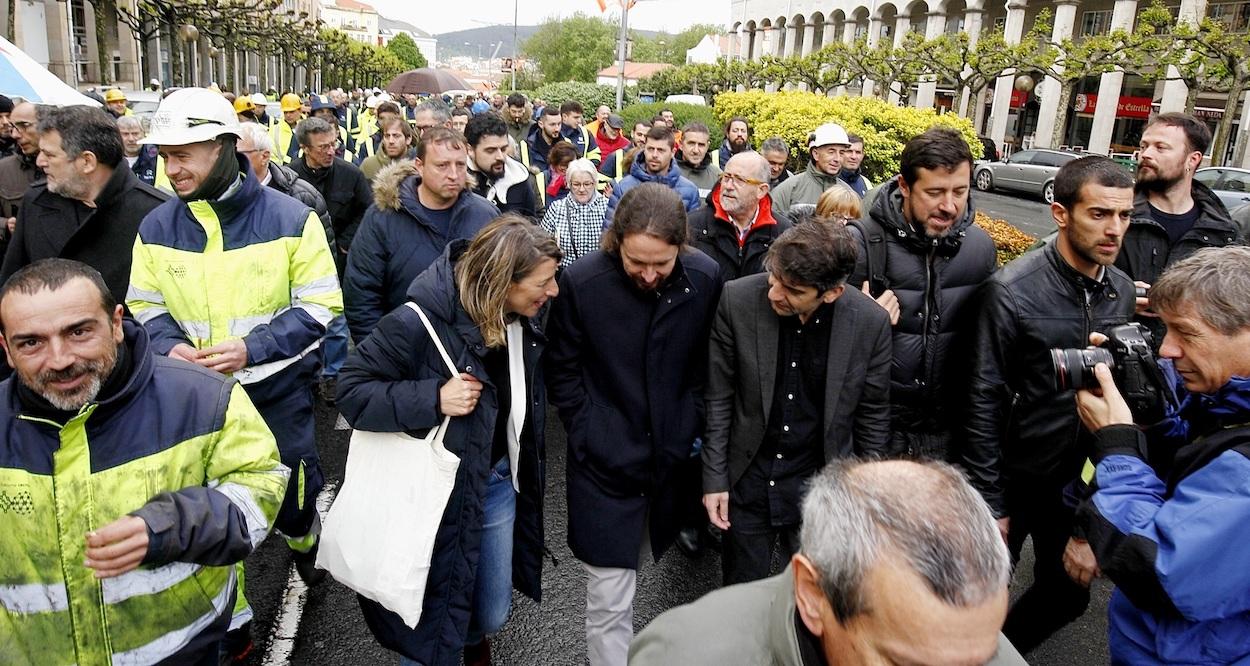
{"points": [[874, 241]]}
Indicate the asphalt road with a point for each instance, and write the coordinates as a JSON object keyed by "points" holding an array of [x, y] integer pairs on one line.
{"points": [[1027, 213], [331, 629]]}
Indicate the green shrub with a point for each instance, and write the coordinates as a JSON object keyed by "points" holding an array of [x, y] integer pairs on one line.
{"points": [[590, 95], [683, 113], [1009, 241], [792, 115]]}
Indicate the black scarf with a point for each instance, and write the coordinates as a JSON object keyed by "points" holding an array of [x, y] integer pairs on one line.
{"points": [[224, 174]]}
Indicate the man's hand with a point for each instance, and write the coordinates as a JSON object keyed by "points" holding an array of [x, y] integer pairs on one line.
{"points": [[183, 351], [1142, 303], [717, 505], [1105, 406], [459, 395], [117, 547], [1079, 562], [887, 300], [11, 224], [1004, 527], [226, 357]]}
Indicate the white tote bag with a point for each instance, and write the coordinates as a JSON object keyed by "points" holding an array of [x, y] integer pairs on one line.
{"points": [[379, 534]]}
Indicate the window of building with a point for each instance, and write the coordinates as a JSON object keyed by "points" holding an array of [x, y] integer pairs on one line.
{"points": [[1234, 15], [1096, 23]]}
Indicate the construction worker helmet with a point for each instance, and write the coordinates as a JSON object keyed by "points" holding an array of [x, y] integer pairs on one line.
{"points": [[291, 102], [259, 99], [244, 103], [191, 115], [114, 95]]}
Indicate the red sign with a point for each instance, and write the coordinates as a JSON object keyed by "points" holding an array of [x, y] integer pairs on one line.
{"points": [[1129, 107], [1018, 98]]}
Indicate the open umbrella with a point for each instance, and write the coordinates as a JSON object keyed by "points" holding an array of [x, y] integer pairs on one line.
{"points": [[21, 76], [427, 81]]}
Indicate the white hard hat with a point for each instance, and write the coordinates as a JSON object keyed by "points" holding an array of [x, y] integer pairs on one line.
{"points": [[827, 135], [259, 99], [191, 115], [372, 102]]}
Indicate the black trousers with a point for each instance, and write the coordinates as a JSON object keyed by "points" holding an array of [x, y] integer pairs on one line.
{"points": [[748, 544], [1054, 599]]}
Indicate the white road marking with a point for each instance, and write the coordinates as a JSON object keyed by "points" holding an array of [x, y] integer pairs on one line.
{"points": [[286, 627]]}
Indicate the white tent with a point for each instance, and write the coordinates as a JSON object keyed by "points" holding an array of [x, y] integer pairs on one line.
{"points": [[21, 76]]}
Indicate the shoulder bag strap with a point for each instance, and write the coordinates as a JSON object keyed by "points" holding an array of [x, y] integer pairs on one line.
{"points": [[451, 367]]}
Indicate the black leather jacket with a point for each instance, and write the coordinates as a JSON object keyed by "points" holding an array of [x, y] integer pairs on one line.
{"points": [[1018, 426]]}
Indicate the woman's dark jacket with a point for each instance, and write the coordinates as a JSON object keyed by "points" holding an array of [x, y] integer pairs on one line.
{"points": [[390, 384], [626, 369]]}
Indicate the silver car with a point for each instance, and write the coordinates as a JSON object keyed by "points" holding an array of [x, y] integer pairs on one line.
{"points": [[1031, 171], [1230, 184]]}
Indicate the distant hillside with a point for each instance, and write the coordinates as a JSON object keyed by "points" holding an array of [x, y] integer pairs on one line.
{"points": [[452, 44]]}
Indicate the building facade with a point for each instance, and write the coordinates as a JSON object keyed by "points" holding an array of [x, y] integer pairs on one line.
{"points": [[1010, 117], [356, 19]]}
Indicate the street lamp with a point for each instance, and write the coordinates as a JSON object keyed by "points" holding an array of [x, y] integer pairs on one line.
{"points": [[189, 34]]}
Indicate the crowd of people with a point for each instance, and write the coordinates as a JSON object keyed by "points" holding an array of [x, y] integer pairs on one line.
{"points": [[800, 365]]}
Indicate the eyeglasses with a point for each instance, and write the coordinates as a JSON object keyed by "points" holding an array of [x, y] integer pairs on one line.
{"points": [[581, 186], [324, 147], [22, 125], [739, 180]]}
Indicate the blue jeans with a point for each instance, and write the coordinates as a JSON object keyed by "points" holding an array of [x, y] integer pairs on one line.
{"points": [[334, 347], [492, 590]]}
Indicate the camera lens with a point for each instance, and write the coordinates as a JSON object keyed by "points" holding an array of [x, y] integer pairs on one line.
{"points": [[1074, 368]]}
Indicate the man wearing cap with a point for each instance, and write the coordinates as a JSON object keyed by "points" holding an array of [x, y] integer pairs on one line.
{"points": [[322, 107], [826, 145], [285, 147], [238, 278], [609, 135], [601, 115], [245, 109], [262, 109], [115, 103], [616, 164]]}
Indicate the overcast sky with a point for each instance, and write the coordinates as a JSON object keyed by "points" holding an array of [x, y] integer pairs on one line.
{"points": [[670, 15]]}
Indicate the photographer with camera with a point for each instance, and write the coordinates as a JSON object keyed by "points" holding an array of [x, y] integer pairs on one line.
{"points": [[1024, 443], [1167, 521]]}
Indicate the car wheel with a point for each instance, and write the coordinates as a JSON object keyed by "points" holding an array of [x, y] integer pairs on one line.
{"points": [[1048, 192], [985, 182]]}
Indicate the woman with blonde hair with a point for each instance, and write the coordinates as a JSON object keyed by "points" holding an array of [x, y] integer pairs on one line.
{"points": [[839, 204], [482, 298], [577, 220]]}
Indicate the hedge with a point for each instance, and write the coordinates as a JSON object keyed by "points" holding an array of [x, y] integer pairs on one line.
{"points": [[1008, 240], [683, 113], [590, 95], [792, 115]]}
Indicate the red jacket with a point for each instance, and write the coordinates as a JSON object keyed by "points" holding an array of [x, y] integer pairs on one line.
{"points": [[608, 146]]}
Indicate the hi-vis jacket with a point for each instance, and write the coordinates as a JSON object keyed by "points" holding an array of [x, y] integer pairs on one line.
{"points": [[179, 446], [254, 265]]}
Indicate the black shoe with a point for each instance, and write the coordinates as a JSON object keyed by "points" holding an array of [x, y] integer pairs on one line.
{"points": [[689, 543], [326, 388], [306, 566], [237, 645]]}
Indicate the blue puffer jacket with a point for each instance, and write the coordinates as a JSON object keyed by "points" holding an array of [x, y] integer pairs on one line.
{"points": [[390, 384], [394, 245], [1175, 546], [638, 175]]}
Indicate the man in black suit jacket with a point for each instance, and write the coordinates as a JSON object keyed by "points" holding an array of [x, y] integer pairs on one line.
{"points": [[799, 374]]}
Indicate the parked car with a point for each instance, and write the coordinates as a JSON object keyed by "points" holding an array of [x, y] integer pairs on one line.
{"points": [[1032, 171], [1230, 184]]}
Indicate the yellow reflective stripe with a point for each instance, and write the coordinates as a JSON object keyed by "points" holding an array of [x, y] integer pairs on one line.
{"points": [[620, 164], [299, 497], [716, 158], [34, 598], [144, 582], [540, 179], [175, 640], [525, 153], [1087, 472], [162, 178]]}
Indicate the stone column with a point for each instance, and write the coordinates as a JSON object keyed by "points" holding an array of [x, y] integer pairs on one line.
{"points": [[1065, 20], [1012, 32], [927, 91], [974, 16], [1176, 92], [809, 36], [874, 36], [902, 24], [1109, 86]]}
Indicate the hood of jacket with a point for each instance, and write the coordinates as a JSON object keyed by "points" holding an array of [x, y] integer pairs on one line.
{"points": [[639, 171], [1212, 213], [282, 176], [435, 288], [887, 210], [497, 191]]}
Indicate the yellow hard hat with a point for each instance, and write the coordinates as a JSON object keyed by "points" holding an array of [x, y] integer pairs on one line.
{"points": [[114, 95], [291, 102], [244, 103]]}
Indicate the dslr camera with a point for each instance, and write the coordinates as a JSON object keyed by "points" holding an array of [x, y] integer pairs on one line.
{"points": [[1127, 352]]}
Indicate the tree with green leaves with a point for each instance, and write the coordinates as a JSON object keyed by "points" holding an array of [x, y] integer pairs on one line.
{"points": [[670, 48], [572, 49], [404, 48]]}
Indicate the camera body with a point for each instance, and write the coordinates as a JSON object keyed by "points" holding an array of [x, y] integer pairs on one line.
{"points": [[1127, 352]]}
